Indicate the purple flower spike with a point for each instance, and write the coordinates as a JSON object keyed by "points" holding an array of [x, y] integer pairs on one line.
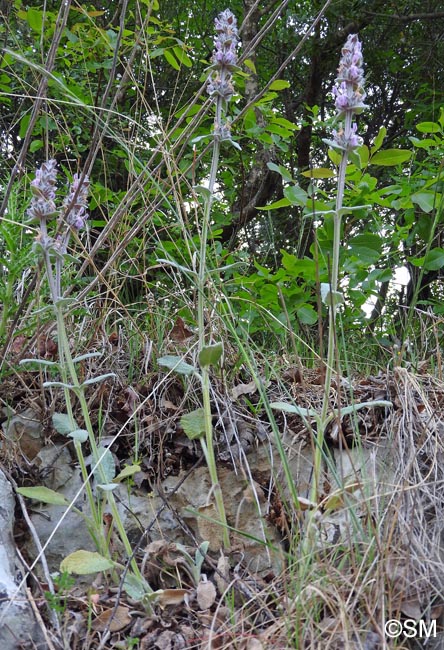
{"points": [[224, 58], [349, 93], [76, 203], [43, 188]]}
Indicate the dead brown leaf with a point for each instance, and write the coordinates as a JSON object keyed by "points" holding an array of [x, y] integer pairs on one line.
{"points": [[243, 389], [114, 620], [210, 531], [180, 331], [222, 575], [171, 596], [206, 594]]}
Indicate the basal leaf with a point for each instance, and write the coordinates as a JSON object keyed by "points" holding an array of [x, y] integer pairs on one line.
{"points": [[210, 354], [176, 364], [85, 562], [194, 424], [44, 495], [63, 423], [127, 472]]}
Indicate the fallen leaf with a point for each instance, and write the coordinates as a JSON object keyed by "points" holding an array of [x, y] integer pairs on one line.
{"points": [[222, 575], [210, 531], [243, 389], [115, 621], [206, 594], [171, 596], [180, 331]]}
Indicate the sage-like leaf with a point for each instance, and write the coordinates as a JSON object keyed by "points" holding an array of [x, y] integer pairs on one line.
{"points": [[210, 354]]}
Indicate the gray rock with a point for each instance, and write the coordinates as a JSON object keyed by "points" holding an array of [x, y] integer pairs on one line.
{"points": [[18, 627]]}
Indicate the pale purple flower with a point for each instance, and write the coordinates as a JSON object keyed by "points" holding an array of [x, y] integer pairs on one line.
{"points": [[76, 203], [224, 57], [43, 187], [349, 93]]}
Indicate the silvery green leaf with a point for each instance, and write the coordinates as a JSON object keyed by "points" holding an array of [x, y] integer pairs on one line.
{"points": [[89, 355], [203, 191], [136, 587], [95, 380], [58, 384], [201, 552], [44, 495], [39, 362], [292, 408], [352, 209], [62, 302], [210, 354], [175, 265], [176, 364], [220, 269], [63, 423], [362, 405], [105, 468], [108, 487], [199, 138], [193, 424], [330, 297], [79, 435], [235, 144]]}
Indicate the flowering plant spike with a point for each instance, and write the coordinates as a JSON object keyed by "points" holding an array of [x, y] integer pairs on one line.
{"points": [[76, 202], [349, 95], [224, 61]]}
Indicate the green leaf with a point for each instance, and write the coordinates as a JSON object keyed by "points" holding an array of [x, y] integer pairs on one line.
{"points": [[169, 56], [428, 127], [296, 195], [425, 200], [35, 145], [248, 63], [282, 203], [307, 315], [182, 56], [85, 562], [366, 247], [24, 123], [319, 172], [390, 157], [35, 19], [127, 472], [434, 260], [210, 354], [279, 84], [194, 424], [379, 139], [176, 364], [63, 423], [44, 495]]}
